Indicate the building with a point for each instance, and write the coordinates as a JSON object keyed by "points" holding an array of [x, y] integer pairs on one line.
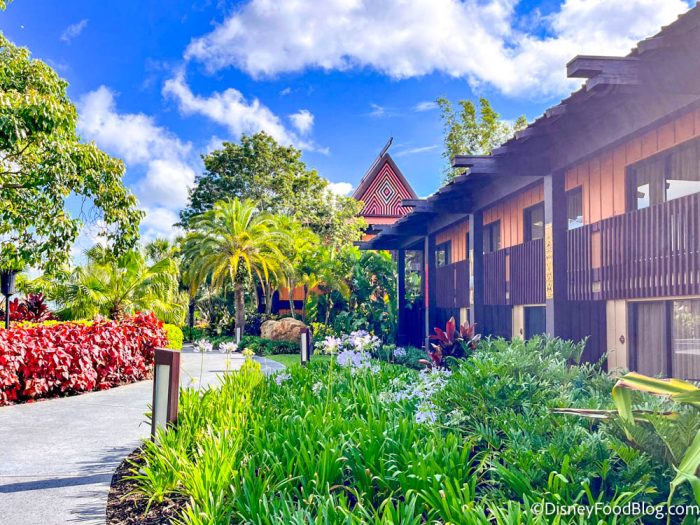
{"points": [[586, 224], [382, 190]]}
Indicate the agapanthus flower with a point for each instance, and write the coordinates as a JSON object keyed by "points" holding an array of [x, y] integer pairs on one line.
{"points": [[203, 346], [425, 416], [317, 388], [281, 378], [399, 352], [228, 348]]}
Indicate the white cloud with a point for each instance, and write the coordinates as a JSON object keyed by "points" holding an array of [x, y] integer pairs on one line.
{"points": [[167, 161], [340, 188], [427, 105], [73, 30], [302, 120], [480, 40], [415, 151]]}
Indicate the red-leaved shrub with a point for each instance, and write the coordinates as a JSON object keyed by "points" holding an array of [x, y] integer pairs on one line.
{"points": [[44, 361], [32, 308]]}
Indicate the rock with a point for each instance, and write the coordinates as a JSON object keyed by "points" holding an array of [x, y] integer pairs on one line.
{"points": [[287, 329]]}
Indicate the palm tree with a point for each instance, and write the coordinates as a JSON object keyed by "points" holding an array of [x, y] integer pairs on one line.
{"points": [[303, 245], [113, 286], [234, 243]]}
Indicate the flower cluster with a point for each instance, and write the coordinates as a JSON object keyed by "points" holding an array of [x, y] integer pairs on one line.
{"points": [[203, 346], [281, 378], [228, 347], [357, 341], [430, 382], [399, 352]]}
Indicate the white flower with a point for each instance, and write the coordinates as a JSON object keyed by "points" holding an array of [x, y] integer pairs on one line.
{"points": [[317, 387], [203, 346], [281, 378], [228, 347]]}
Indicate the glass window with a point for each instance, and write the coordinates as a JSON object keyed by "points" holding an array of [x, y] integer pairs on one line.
{"points": [[534, 222], [574, 208], [535, 321], [442, 254], [492, 237], [685, 339]]}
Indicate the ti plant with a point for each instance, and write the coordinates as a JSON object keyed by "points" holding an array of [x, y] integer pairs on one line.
{"points": [[677, 391], [452, 342]]}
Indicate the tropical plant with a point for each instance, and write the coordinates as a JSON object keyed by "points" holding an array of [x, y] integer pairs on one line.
{"points": [[684, 451], [32, 308], [234, 244], [114, 285], [452, 342]]}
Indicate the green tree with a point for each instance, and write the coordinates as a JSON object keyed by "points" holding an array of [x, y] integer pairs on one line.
{"points": [[43, 163], [277, 180], [471, 132], [234, 243], [113, 285]]}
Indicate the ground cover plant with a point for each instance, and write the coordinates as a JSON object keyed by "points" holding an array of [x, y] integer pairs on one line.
{"points": [[52, 359], [356, 440]]}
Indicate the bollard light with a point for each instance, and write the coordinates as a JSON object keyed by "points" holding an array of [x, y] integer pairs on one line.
{"points": [[305, 346], [238, 335], [166, 389], [8, 280]]}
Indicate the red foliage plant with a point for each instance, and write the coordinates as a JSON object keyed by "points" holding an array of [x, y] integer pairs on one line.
{"points": [[68, 358], [451, 342], [33, 309]]}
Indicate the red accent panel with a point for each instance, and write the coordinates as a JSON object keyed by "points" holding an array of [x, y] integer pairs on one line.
{"points": [[383, 197]]}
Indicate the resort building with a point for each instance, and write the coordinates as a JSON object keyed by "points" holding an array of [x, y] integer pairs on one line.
{"points": [[586, 224]]}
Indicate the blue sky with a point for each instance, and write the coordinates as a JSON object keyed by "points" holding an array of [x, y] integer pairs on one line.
{"points": [[157, 83]]}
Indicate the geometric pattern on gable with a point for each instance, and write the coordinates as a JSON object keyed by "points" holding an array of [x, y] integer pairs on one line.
{"points": [[383, 197]]}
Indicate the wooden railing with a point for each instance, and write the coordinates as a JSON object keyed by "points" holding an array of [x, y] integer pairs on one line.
{"points": [[495, 277], [527, 273], [452, 285], [652, 252]]}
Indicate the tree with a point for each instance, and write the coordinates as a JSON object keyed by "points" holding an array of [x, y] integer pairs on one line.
{"points": [[277, 180], [113, 285], [43, 163], [234, 243], [470, 133]]}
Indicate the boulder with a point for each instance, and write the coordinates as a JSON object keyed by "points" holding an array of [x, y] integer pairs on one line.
{"points": [[287, 329]]}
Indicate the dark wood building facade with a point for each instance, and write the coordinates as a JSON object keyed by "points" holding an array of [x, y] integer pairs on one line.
{"points": [[586, 224]]}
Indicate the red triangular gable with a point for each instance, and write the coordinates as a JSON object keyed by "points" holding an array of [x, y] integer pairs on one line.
{"points": [[382, 189]]}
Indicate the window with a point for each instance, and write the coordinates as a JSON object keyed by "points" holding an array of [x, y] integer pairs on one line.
{"points": [[492, 237], [534, 222], [664, 177], [442, 254], [667, 338], [535, 321], [574, 208]]}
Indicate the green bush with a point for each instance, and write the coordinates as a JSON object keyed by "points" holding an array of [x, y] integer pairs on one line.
{"points": [[267, 346], [385, 444], [175, 336]]}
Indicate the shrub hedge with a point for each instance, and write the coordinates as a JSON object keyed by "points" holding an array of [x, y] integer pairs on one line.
{"points": [[48, 360], [174, 335], [267, 346]]}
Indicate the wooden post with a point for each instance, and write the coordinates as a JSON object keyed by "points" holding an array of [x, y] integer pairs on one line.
{"points": [[555, 255], [166, 389], [430, 288], [401, 298], [476, 268]]}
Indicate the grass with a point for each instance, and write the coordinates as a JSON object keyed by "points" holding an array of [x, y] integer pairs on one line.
{"points": [[295, 359]]}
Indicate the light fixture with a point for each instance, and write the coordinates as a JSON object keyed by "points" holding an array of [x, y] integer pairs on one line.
{"points": [[305, 346], [166, 389], [8, 280]]}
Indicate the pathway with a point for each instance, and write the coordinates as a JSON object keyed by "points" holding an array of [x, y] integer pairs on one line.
{"points": [[57, 456]]}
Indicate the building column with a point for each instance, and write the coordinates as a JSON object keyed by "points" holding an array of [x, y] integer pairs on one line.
{"points": [[555, 256], [401, 298], [430, 288], [476, 267]]}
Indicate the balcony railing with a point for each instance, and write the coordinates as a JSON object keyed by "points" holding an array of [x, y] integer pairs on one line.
{"points": [[652, 252], [452, 283]]}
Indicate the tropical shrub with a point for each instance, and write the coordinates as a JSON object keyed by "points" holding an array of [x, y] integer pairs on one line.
{"points": [[262, 346], [358, 441], [67, 358], [174, 335], [452, 342], [32, 308], [409, 356]]}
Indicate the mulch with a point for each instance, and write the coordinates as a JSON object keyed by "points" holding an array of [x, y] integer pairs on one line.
{"points": [[126, 507]]}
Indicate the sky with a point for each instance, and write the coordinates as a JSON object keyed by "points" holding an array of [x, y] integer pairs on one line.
{"points": [[158, 83]]}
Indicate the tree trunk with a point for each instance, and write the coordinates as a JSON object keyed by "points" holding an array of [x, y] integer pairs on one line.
{"points": [[303, 306], [240, 306], [191, 320], [292, 287], [268, 299]]}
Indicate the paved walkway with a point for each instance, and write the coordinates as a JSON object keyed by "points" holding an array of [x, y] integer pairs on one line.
{"points": [[57, 456]]}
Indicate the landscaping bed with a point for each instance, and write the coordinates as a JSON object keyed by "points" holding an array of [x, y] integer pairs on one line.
{"points": [[355, 440]]}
